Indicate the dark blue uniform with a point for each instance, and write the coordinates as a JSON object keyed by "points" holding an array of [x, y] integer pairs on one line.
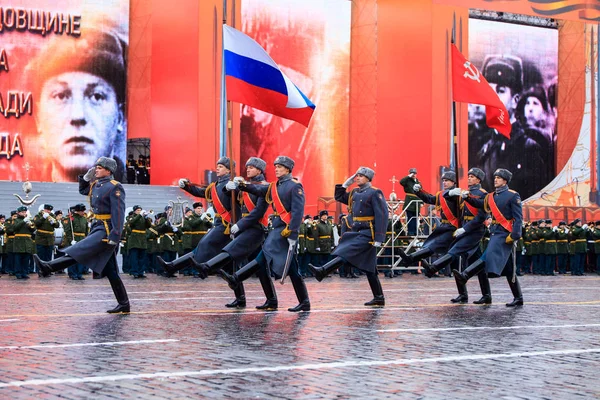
{"points": [[107, 202], [216, 239], [369, 224], [442, 236], [498, 251]]}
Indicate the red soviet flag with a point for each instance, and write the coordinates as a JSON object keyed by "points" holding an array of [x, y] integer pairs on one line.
{"points": [[469, 86]]}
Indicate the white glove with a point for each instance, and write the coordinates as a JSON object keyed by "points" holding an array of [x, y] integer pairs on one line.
{"points": [[204, 216], [145, 213], [416, 187], [183, 182], [464, 194], [292, 242], [110, 242], [45, 215], [454, 192], [458, 232], [239, 179], [234, 229], [586, 227], [90, 174], [318, 249], [377, 244], [348, 182], [73, 242], [307, 221], [231, 185], [175, 229], [27, 219], [555, 229]]}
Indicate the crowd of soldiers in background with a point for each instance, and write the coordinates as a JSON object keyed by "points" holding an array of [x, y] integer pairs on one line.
{"points": [[138, 171], [544, 249]]}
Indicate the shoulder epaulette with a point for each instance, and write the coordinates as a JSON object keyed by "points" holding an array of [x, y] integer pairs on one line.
{"points": [[295, 180], [483, 190], [512, 191], [114, 182], [375, 188]]}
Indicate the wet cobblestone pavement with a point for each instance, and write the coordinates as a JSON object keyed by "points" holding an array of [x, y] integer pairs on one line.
{"points": [[180, 341]]}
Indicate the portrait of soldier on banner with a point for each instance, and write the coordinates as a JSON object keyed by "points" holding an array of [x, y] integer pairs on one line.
{"points": [[525, 81], [74, 76]]}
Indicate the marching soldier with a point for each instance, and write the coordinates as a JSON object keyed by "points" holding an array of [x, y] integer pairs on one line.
{"points": [[411, 201], [22, 228], [248, 232], [98, 250], [45, 222], [505, 206], [467, 239], [278, 251], [219, 236], [10, 237], [369, 222], [562, 247], [136, 242], [578, 247], [443, 235]]}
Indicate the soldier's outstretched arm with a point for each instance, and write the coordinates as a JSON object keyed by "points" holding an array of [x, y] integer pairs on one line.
{"points": [[195, 191], [255, 189], [476, 202]]}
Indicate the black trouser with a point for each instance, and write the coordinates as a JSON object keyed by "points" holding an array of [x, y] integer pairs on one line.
{"points": [[111, 271]]}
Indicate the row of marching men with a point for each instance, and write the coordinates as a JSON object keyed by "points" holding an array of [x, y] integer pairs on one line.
{"points": [[44, 234]]}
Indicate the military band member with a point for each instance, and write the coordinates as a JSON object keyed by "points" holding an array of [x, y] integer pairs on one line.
{"points": [[22, 228], [550, 248], [562, 247], [526, 263], [596, 238], [45, 223], [505, 206], [303, 254], [10, 238], [248, 232], [578, 247], [194, 228], [136, 242], [219, 236], [286, 195], [468, 237], [369, 222], [3, 257], [542, 259], [153, 250], [98, 250], [443, 235], [76, 229], [322, 233], [167, 243], [411, 201]]}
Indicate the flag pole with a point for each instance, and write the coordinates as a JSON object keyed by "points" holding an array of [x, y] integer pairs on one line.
{"points": [[454, 145], [226, 114]]}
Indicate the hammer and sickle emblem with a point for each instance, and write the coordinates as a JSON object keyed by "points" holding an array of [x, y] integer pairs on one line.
{"points": [[472, 72]]}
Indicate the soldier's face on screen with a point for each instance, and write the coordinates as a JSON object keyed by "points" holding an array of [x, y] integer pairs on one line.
{"points": [[222, 170], [507, 97], [78, 118], [472, 180], [534, 111], [499, 182], [447, 184], [251, 171]]}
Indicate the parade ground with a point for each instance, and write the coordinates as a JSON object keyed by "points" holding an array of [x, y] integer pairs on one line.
{"points": [[180, 341]]}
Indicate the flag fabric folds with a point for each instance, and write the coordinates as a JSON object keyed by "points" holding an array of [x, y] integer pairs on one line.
{"points": [[470, 86], [254, 79]]}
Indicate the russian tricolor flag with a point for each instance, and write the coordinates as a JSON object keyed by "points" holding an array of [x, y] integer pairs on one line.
{"points": [[254, 79]]}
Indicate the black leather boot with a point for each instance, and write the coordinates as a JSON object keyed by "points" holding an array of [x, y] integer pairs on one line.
{"points": [[269, 290], [411, 259], [45, 268], [321, 272], [173, 266], [121, 296], [378, 298], [234, 280], [429, 270], [463, 294], [515, 288], [301, 294], [472, 270], [486, 290], [214, 264], [240, 298]]}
